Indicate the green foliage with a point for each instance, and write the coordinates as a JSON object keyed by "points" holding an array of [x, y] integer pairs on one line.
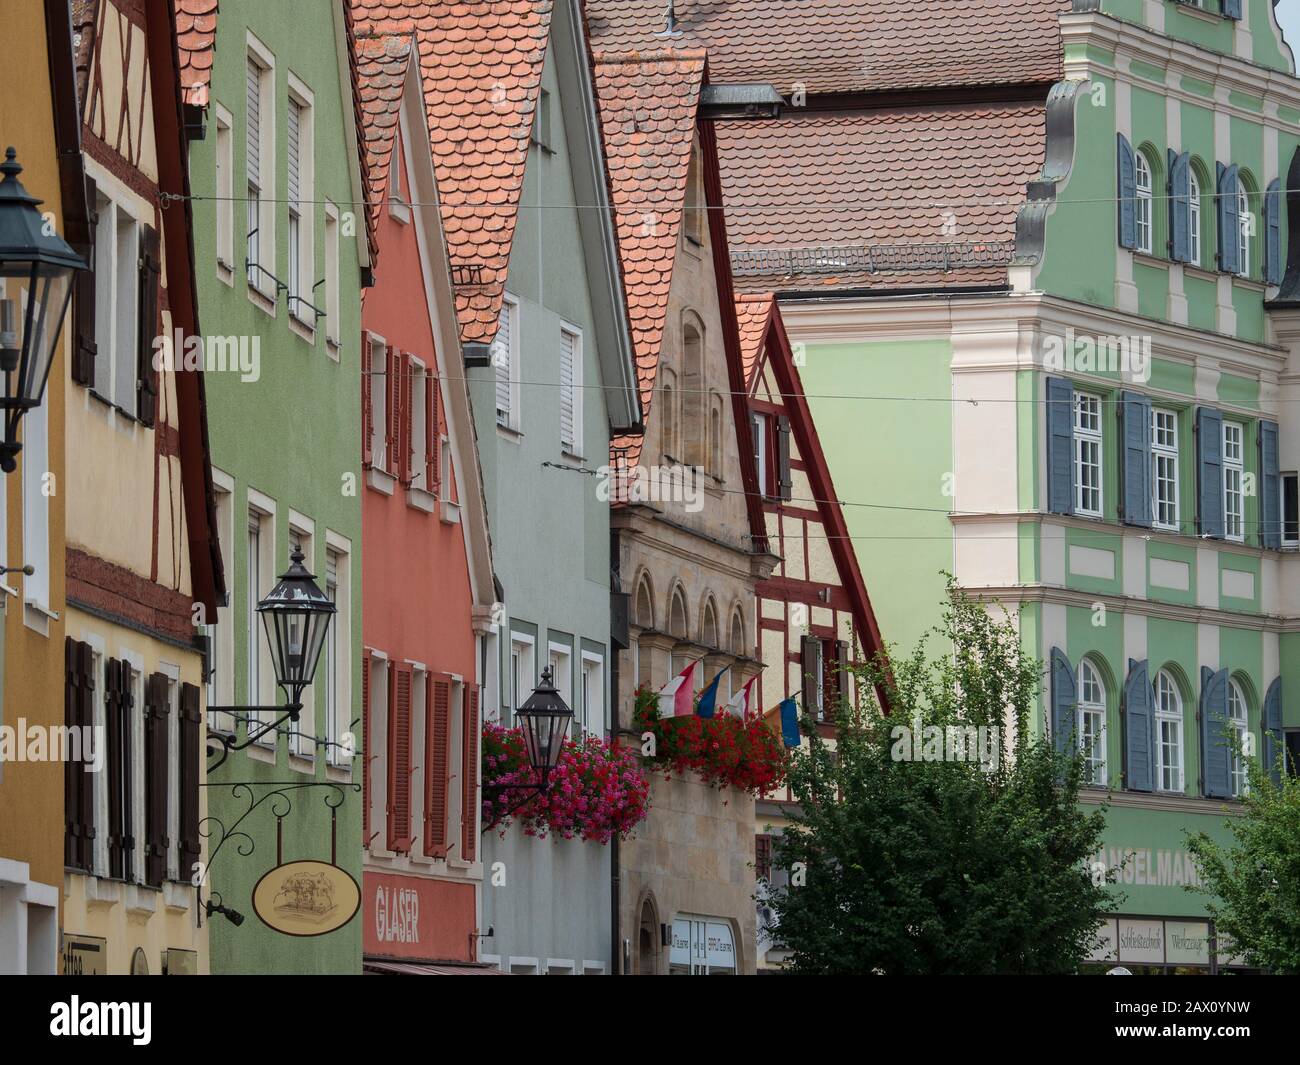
{"points": [[941, 866], [1253, 886]]}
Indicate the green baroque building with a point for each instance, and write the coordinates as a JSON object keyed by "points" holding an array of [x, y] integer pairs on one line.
{"points": [[1038, 281], [281, 252]]}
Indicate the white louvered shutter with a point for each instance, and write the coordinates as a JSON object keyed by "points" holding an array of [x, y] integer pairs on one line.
{"points": [[568, 391], [254, 123], [501, 359], [295, 126]]}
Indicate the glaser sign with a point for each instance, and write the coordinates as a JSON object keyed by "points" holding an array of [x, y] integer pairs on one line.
{"points": [[397, 914]]}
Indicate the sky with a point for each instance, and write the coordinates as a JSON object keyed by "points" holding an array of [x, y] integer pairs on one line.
{"points": [[1288, 14]]}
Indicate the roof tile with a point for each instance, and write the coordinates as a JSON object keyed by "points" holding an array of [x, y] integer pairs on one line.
{"points": [[196, 33]]}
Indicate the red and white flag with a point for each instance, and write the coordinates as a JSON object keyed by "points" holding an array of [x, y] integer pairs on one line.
{"points": [[678, 695], [742, 701]]}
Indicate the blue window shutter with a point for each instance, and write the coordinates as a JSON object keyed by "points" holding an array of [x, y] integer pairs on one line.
{"points": [[1270, 486], [1232, 9], [1127, 185], [1064, 699], [1137, 458], [1229, 216], [1209, 471], [1273, 739], [1273, 233], [1180, 206], [1060, 446], [1139, 728], [1216, 763]]}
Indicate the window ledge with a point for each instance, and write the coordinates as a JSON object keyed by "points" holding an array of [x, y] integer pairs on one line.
{"points": [[381, 481], [1212, 17], [141, 900], [1201, 272], [333, 347], [225, 273], [509, 432], [302, 763], [339, 774], [261, 300], [400, 212], [260, 752], [37, 617], [1251, 284], [177, 896], [302, 329], [9, 589], [450, 512], [1150, 258], [419, 499]]}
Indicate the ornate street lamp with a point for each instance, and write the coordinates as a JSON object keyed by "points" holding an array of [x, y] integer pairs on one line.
{"points": [[296, 615], [36, 268], [544, 718]]}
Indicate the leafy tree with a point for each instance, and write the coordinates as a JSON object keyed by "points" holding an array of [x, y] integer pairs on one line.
{"points": [[941, 865], [1253, 886]]}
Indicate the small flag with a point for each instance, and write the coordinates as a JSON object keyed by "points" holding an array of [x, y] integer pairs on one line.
{"points": [[790, 723], [739, 704], [709, 697], [678, 691]]}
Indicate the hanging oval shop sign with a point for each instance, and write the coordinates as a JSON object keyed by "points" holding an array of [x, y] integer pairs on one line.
{"points": [[306, 898]]}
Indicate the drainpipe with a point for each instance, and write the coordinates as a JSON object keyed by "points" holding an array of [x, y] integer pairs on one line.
{"points": [[615, 943]]}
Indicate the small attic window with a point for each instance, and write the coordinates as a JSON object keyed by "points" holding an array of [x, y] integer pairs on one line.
{"points": [[693, 222], [399, 201], [542, 122]]}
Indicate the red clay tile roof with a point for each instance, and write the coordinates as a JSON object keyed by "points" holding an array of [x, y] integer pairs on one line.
{"points": [[381, 72], [84, 23], [752, 314], [481, 66], [196, 36], [837, 46], [647, 111], [903, 198]]}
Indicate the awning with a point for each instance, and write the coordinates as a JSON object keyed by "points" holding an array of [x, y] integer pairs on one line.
{"points": [[378, 967]]}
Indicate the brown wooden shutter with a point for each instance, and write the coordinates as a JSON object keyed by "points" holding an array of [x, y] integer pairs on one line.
{"points": [[126, 703], [763, 856], [367, 404], [469, 778], [190, 768], [842, 687], [86, 719], [399, 760], [83, 300], [406, 423], [394, 401], [783, 456], [72, 826], [810, 650], [365, 748], [433, 436], [156, 841], [147, 326], [113, 764], [437, 745]]}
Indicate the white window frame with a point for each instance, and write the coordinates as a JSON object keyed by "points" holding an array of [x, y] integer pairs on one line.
{"points": [[302, 267], [224, 163], [221, 634], [262, 208], [762, 458], [523, 669], [1239, 724], [1143, 215], [1293, 539], [1164, 457], [36, 549], [507, 357], [1087, 433], [1167, 692], [117, 286], [420, 376], [1234, 477], [303, 732], [1091, 722], [1246, 219], [572, 447], [338, 717], [592, 677], [559, 656], [259, 688], [333, 336], [378, 401], [1194, 218]]}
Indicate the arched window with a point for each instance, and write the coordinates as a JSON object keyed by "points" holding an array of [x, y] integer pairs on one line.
{"points": [[1143, 204], [738, 646], [677, 615], [668, 413], [1169, 734], [1239, 725], [1194, 216], [1245, 232], [1091, 723], [709, 625], [693, 220], [694, 447], [644, 610], [715, 437]]}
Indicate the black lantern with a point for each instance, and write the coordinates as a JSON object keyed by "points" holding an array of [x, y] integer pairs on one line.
{"points": [[545, 718], [36, 268], [297, 616]]}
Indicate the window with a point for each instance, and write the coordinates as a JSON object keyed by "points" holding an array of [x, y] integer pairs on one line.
{"points": [[1143, 204], [571, 390], [1169, 734], [560, 658], [399, 203], [225, 189], [377, 381], [715, 436], [332, 334], [1194, 217], [1290, 510], [1087, 454], [668, 400], [221, 637], [593, 694], [694, 396], [709, 626], [1164, 468], [1091, 724], [261, 577], [1233, 478], [522, 675], [693, 221], [418, 420], [302, 734], [738, 645], [1239, 727], [117, 286], [298, 133], [338, 652], [505, 359], [35, 458], [762, 458], [1246, 231], [542, 120], [259, 169]]}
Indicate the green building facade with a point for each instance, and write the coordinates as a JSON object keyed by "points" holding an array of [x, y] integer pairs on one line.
{"points": [[281, 252]]}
